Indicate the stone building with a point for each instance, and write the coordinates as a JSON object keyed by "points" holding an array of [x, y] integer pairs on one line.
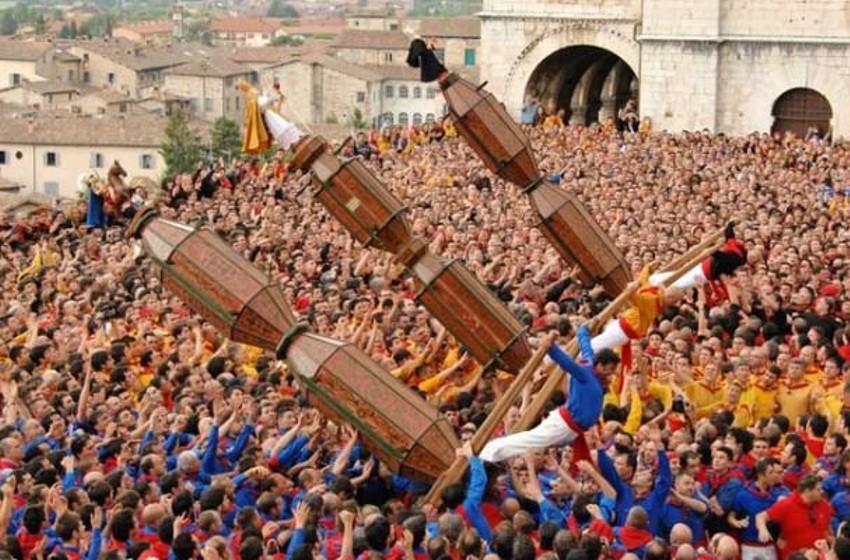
{"points": [[733, 66], [210, 85], [37, 151]]}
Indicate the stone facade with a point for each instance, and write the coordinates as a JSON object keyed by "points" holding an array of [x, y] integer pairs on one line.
{"points": [[714, 64]]}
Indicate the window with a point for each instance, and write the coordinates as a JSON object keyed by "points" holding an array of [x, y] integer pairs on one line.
{"points": [[51, 188], [226, 104], [402, 92], [403, 119], [146, 161], [70, 75], [469, 57], [96, 160], [15, 79], [195, 104], [3, 157], [431, 93], [417, 118], [208, 104], [361, 96], [429, 117], [51, 159], [388, 57], [86, 77], [255, 77], [110, 77], [387, 119], [122, 107], [228, 81], [417, 92], [265, 35], [388, 91]]}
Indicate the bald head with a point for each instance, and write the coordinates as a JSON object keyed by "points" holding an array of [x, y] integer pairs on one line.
{"points": [[685, 552], [681, 534], [727, 548], [153, 514]]}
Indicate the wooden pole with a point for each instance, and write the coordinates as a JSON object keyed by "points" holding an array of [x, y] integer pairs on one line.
{"points": [[688, 256], [555, 376], [457, 469], [555, 379]]}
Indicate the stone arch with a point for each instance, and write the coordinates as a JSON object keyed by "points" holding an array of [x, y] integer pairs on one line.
{"points": [[574, 80], [800, 109], [616, 40]]}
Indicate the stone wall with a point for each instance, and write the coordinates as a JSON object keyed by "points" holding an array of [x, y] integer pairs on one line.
{"points": [[716, 64], [754, 75], [818, 19]]}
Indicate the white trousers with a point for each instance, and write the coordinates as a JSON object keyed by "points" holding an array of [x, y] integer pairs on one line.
{"points": [[551, 432], [692, 278], [612, 337], [750, 552], [284, 132]]}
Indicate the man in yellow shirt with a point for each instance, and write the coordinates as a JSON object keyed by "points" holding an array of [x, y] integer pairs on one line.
{"points": [[833, 387], [646, 303], [707, 392], [796, 397], [813, 371], [765, 391]]}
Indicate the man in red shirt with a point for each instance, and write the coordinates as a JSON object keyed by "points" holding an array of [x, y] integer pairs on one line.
{"points": [[803, 518]]}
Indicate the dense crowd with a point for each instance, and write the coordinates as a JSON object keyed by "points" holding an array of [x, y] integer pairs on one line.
{"points": [[132, 429]]}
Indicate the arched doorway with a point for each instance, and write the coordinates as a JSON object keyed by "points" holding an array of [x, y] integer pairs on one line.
{"points": [[589, 83], [800, 109]]}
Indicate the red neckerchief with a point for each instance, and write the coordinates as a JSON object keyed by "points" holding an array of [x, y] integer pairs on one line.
{"points": [[715, 481], [573, 526]]}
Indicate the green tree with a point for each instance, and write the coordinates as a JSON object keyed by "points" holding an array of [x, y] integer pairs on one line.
{"points": [[287, 41], [356, 120], [280, 9], [181, 148], [198, 30], [225, 138], [40, 25], [8, 25], [98, 26], [69, 30]]}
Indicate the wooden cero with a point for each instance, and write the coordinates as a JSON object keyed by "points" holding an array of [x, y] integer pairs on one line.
{"points": [[213, 280], [506, 151], [367, 209]]}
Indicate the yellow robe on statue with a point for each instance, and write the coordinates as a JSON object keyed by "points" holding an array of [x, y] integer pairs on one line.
{"points": [[256, 138]]}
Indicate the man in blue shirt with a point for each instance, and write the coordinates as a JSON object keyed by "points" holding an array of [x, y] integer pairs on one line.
{"points": [[529, 111], [753, 499], [567, 423]]}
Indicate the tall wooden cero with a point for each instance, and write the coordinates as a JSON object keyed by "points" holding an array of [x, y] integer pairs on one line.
{"points": [[406, 433], [505, 150], [375, 217]]}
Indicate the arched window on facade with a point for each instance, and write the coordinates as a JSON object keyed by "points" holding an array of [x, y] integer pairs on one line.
{"points": [[417, 92], [403, 119], [802, 111], [417, 118]]}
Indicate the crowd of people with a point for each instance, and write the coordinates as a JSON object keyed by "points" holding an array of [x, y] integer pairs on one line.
{"points": [[132, 429]]}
